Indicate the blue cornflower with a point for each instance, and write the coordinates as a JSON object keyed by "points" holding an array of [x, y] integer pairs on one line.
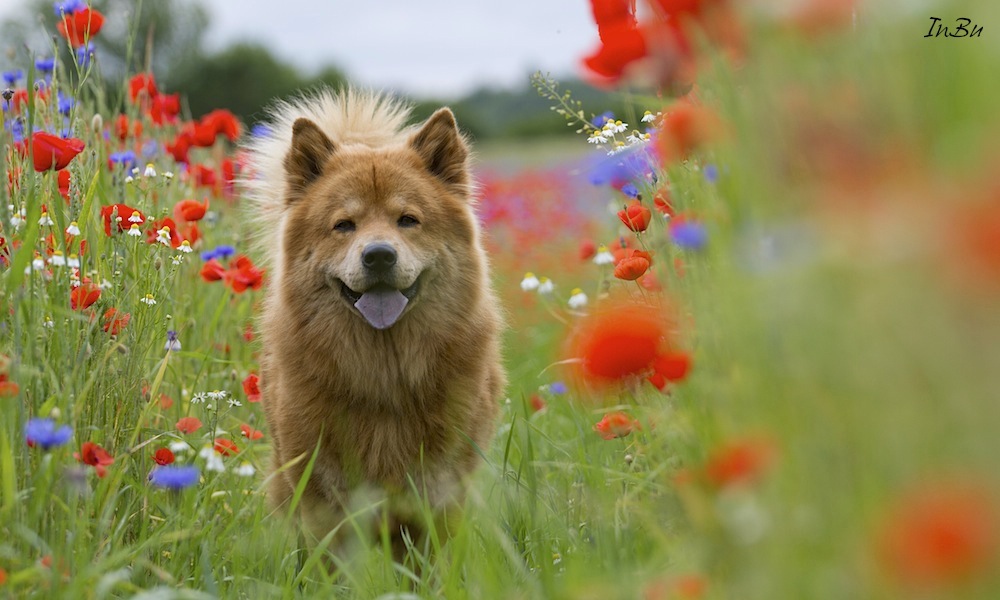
{"points": [[602, 118], [175, 477], [83, 54], [689, 235], [173, 344], [630, 190], [17, 130], [68, 6], [711, 173], [260, 130], [220, 252], [12, 77], [125, 159], [557, 387], [42, 433], [633, 164], [45, 65], [150, 150], [65, 103]]}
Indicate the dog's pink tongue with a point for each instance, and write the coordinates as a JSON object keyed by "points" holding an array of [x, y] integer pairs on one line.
{"points": [[381, 306]]}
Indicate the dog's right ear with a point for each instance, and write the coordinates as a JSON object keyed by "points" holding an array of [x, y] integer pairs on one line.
{"points": [[304, 161]]}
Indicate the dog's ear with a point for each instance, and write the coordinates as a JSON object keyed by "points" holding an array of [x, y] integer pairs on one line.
{"points": [[442, 148], [304, 161]]}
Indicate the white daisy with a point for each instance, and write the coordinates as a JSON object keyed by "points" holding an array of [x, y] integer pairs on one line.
{"points": [[73, 261], [163, 235], [245, 470], [603, 256], [73, 229], [148, 299], [545, 286], [577, 299], [529, 283], [185, 247], [134, 231], [57, 259], [649, 117], [150, 170], [213, 462], [136, 217], [46, 219]]}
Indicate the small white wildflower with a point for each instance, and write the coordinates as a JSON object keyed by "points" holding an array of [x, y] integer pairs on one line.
{"points": [[199, 397], [134, 231], [618, 126], [185, 247], [597, 138], [129, 179], [545, 286], [603, 256], [106, 285], [73, 261], [173, 344], [637, 138], [218, 395], [649, 117], [245, 470], [17, 219], [179, 446], [135, 170], [48, 323], [136, 217], [46, 219], [176, 259], [37, 263], [233, 402], [148, 299], [150, 170], [57, 259], [213, 462], [577, 299], [73, 229], [168, 175], [618, 147], [529, 283], [163, 235]]}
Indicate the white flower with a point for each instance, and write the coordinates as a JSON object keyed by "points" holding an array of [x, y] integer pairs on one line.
{"points": [[597, 138], [234, 402], [129, 179], [618, 126], [179, 446], [46, 219], [134, 231], [545, 286], [529, 283], [17, 219], [603, 256], [105, 284], [168, 175], [173, 345], [213, 462], [58, 259], [163, 235], [37, 263], [176, 259], [648, 117], [150, 170], [73, 261], [618, 147], [135, 218], [48, 323], [135, 170], [577, 299], [637, 138], [73, 229], [185, 247], [245, 470], [199, 397], [148, 299]]}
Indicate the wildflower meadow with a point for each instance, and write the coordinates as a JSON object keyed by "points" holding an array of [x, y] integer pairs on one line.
{"points": [[753, 326]]}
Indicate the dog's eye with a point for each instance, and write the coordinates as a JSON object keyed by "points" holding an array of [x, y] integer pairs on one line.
{"points": [[344, 226], [407, 221]]}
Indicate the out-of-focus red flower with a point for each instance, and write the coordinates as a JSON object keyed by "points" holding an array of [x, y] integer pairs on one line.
{"points": [[682, 587], [635, 216], [615, 425], [620, 340], [251, 387], [180, 147], [115, 320], [83, 295], [166, 401], [124, 128], [633, 266], [163, 456], [587, 250], [622, 43], [940, 534], [819, 16], [80, 26], [8, 389], [661, 202], [63, 182], [142, 85], [124, 213], [220, 122], [53, 152], [248, 332], [188, 425], [95, 456], [203, 176], [250, 433], [739, 462], [226, 447], [190, 210], [153, 233], [191, 233], [973, 236], [213, 270], [685, 128], [165, 108], [243, 274], [672, 366], [536, 402]]}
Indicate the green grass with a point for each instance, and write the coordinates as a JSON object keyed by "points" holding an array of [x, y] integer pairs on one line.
{"points": [[836, 313]]}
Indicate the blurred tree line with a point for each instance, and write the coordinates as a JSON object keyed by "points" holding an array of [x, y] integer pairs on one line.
{"points": [[168, 37]]}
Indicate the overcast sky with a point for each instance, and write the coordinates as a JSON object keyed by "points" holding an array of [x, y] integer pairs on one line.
{"points": [[424, 47]]}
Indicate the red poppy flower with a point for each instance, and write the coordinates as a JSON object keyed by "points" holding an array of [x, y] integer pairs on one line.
{"points": [[180, 147], [222, 122], [213, 271], [250, 433], [115, 321], [203, 176], [248, 336], [633, 266], [80, 26], [123, 129], [188, 425], [226, 447], [124, 213], [8, 389], [95, 456], [251, 387], [83, 295], [142, 84], [615, 425], [635, 216], [536, 402], [165, 108], [587, 250], [243, 274], [153, 233], [682, 587], [166, 401], [686, 127], [190, 210], [673, 366], [53, 152], [163, 456], [739, 462], [63, 182], [661, 202], [621, 40], [940, 535]]}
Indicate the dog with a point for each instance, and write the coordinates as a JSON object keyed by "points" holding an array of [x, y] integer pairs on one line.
{"points": [[380, 328]]}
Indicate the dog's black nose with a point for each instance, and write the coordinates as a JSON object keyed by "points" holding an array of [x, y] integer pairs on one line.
{"points": [[379, 257]]}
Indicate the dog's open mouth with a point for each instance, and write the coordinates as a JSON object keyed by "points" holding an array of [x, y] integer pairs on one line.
{"points": [[381, 305]]}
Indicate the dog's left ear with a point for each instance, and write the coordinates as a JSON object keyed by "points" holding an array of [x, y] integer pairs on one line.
{"points": [[442, 148]]}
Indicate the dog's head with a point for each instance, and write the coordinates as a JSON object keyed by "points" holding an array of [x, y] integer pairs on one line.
{"points": [[369, 230]]}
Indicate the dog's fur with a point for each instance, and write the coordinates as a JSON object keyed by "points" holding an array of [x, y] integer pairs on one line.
{"points": [[395, 409]]}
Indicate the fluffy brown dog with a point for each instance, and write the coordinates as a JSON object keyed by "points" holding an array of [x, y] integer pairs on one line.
{"points": [[380, 328]]}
